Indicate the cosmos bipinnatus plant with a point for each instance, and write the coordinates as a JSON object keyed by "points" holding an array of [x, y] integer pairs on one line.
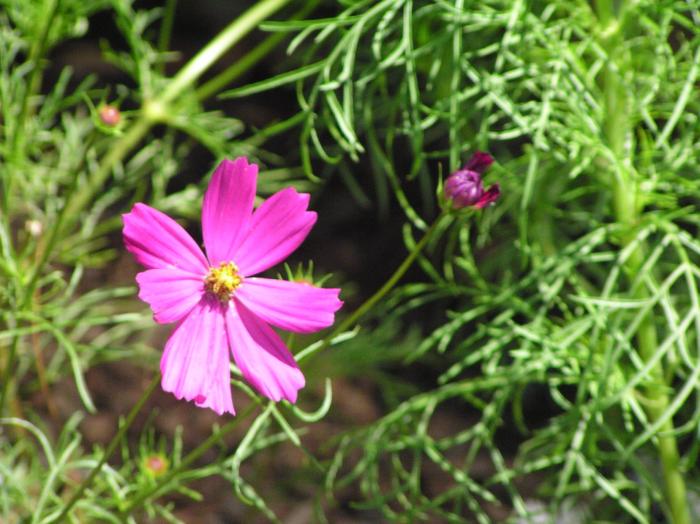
{"points": [[532, 356], [564, 324]]}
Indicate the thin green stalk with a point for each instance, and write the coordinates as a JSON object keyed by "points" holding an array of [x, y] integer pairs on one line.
{"points": [[259, 52], [350, 321], [9, 366], [218, 46], [189, 459], [455, 131], [110, 449], [166, 30], [627, 212], [239, 67]]}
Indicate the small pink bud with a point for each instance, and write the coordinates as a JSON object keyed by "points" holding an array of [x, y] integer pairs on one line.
{"points": [[465, 187], [155, 465], [110, 115]]}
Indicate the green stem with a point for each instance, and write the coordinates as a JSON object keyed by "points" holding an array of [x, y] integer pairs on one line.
{"points": [[259, 52], [350, 321], [166, 30], [628, 213], [189, 459], [9, 367], [218, 46], [239, 67], [110, 449]]}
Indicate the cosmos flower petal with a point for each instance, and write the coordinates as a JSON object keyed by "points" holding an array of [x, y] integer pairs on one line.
{"points": [[195, 363], [262, 357], [171, 293], [293, 306], [228, 204], [479, 162], [489, 196], [158, 242], [277, 228]]}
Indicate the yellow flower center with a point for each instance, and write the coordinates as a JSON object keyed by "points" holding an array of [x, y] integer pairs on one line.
{"points": [[222, 281]]}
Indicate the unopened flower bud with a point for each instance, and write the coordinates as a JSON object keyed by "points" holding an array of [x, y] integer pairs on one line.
{"points": [[465, 187], [479, 162], [110, 115], [155, 464]]}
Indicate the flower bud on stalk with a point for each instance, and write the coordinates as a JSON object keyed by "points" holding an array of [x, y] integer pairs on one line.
{"points": [[465, 187], [155, 465], [110, 115]]}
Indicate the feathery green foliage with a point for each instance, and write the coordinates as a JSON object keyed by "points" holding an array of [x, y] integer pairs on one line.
{"points": [[545, 361], [586, 291]]}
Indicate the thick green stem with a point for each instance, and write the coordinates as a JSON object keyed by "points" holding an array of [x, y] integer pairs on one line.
{"points": [[627, 208], [217, 47], [110, 449], [350, 321], [259, 52], [152, 112]]}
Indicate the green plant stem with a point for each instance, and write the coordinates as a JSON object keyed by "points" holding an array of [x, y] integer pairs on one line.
{"points": [[368, 304], [628, 213], [110, 449], [166, 29], [9, 366], [214, 438], [259, 52], [239, 67], [219, 45]]}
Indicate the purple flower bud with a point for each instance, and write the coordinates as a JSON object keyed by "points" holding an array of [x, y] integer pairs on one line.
{"points": [[465, 187], [489, 196], [479, 162]]}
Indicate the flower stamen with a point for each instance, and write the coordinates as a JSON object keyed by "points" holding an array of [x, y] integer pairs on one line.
{"points": [[222, 281]]}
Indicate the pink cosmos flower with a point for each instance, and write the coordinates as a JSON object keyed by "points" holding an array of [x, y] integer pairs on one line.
{"points": [[216, 301]]}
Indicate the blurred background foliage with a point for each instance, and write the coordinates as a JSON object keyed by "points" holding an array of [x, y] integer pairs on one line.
{"points": [[541, 360]]}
